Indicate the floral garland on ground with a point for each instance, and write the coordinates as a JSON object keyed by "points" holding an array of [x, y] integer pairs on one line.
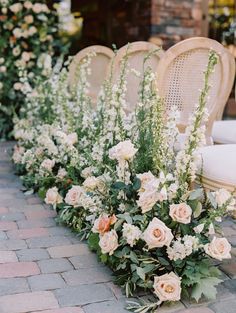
{"points": [[118, 180], [29, 41]]}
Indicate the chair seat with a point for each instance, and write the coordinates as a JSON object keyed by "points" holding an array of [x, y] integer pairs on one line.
{"points": [[219, 166], [224, 132]]}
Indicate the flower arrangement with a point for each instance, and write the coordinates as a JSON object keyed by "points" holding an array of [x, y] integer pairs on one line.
{"points": [[119, 181], [29, 41]]}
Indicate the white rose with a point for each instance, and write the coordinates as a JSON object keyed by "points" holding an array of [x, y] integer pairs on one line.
{"points": [[91, 183], [109, 242], [53, 197], [131, 233], [37, 8], [74, 196], [86, 172], [157, 234], [16, 7], [28, 5], [72, 138], [48, 164], [145, 178], [180, 213], [124, 150], [25, 56], [29, 19], [222, 196], [218, 248], [61, 173], [3, 69], [147, 200], [167, 287], [17, 32], [17, 86]]}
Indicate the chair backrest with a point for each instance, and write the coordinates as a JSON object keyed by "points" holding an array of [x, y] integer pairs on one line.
{"points": [[136, 52], [180, 76], [99, 67]]}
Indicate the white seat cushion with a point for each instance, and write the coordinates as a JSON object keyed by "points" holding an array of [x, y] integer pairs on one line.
{"points": [[219, 163], [224, 132]]}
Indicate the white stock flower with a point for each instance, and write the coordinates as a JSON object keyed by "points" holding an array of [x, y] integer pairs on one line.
{"points": [[109, 242], [218, 248], [167, 287], [61, 173], [180, 213], [53, 197], [131, 233], [123, 151], [157, 234]]}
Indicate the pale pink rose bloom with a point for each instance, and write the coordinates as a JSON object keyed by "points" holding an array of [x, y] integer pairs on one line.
{"points": [[180, 213], [61, 173], [157, 234], [109, 242], [16, 7], [72, 138], [17, 86], [28, 4], [53, 197], [18, 153], [29, 19], [37, 8], [48, 164], [218, 248], [74, 196], [167, 287], [25, 56], [147, 200], [145, 178]]}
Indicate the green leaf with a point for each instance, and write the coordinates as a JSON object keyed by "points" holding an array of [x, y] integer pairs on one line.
{"points": [[212, 200], [140, 272], [42, 193], [196, 194], [198, 210], [205, 287], [133, 257], [119, 185], [137, 183], [93, 241]]}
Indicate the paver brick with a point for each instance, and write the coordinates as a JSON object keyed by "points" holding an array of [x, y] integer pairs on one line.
{"points": [[44, 222], [27, 233], [8, 256], [83, 294], [3, 210], [7, 225], [27, 302], [55, 265], [83, 261], [19, 269], [68, 251], [229, 269], [228, 306], [45, 242], [32, 254], [32, 215], [63, 310], [92, 275], [13, 244], [3, 235], [59, 231], [34, 200], [46, 282], [116, 306], [198, 310], [10, 286], [13, 217]]}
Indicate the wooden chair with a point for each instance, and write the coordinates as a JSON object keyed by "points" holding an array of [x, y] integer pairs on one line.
{"points": [[180, 76], [99, 66], [136, 52]]}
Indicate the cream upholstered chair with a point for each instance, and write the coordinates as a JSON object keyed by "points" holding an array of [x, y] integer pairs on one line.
{"points": [[224, 132], [99, 67], [136, 52], [180, 76], [218, 167]]}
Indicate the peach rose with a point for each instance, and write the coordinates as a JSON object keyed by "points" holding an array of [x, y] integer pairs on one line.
{"points": [[167, 287], [180, 213], [109, 242], [53, 197], [157, 234], [103, 223], [29, 19], [218, 248], [74, 196]]}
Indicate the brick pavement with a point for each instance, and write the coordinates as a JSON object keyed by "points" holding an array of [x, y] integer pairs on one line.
{"points": [[45, 268]]}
